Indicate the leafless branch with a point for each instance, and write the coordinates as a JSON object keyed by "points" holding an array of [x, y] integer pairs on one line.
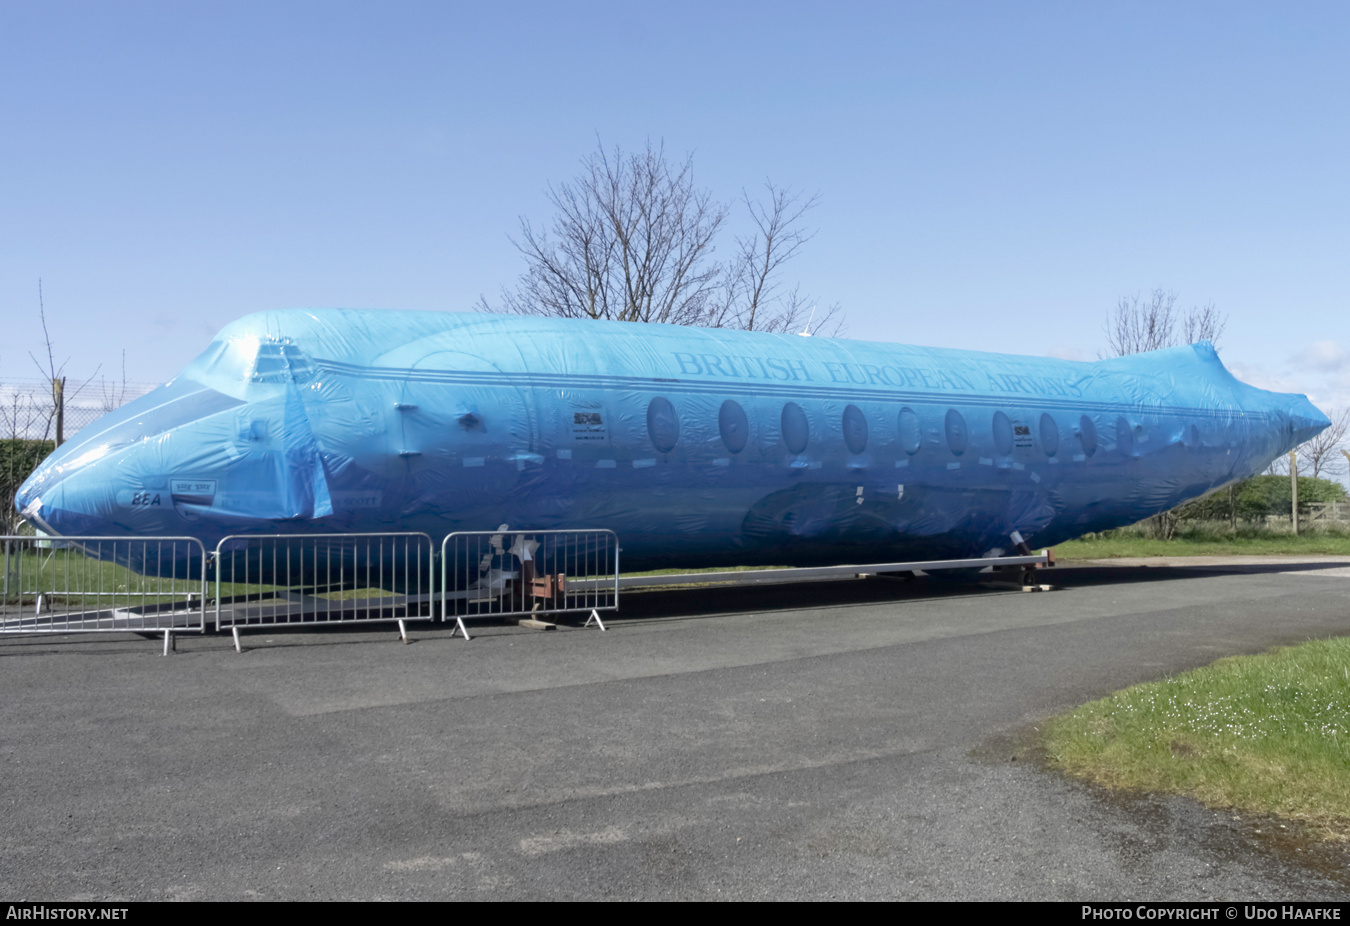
{"points": [[1139, 324], [1321, 457], [777, 241], [1204, 323], [114, 396], [633, 239]]}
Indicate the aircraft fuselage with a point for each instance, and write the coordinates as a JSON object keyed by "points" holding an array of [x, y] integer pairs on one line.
{"points": [[696, 446]]}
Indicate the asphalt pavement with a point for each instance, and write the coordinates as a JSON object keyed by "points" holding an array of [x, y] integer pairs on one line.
{"points": [[859, 739]]}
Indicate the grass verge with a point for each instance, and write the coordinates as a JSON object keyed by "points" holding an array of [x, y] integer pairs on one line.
{"points": [[1204, 542], [1267, 734], [69, 578]]}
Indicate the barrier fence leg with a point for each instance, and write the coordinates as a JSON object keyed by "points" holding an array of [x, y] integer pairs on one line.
{"points": [[595, 616], [237, 647], [459, 628], [169, 642], [402, 631]]}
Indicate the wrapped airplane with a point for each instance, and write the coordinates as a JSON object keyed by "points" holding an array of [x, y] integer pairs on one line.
{"points": [[696, 446]]}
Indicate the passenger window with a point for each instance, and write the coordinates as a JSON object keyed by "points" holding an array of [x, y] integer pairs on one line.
{"points": [[796, 429], [911, 437], [1124, 437], [1003, 434], [733, 424], [957, 436], [1087, 436], [1049, 435], [855, 429], [663, 424]]}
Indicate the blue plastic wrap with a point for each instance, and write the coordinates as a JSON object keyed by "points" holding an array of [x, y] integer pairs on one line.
{"points": [[697, 446]]}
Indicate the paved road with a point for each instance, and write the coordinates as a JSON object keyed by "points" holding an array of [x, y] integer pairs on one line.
{"points": [[859, 739]]}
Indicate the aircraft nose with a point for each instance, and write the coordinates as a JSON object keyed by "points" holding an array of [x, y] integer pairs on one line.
{"points": [[27, 496], [1305, 421], [105, 478], [84, 488], [47, 501]]}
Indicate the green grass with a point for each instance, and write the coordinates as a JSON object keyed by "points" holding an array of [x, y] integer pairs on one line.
{"points": [[68, 577], [680, 572], [1206, 539], [72, 573], [1266, 734]]}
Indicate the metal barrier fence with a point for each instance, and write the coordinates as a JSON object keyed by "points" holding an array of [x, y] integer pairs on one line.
{"points": [[529, 574], [153, 585], [74, 584], [280, 580]]}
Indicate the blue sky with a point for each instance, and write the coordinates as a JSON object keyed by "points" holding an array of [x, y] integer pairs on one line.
{"points": [[993, 176]]}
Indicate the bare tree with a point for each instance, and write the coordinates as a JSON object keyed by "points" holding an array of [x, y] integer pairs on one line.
{"points": [[114, 395], [1320, 457], [1203, 323], [55, 376], [756, 298], [1143, 324], [633, 239], [1322, 453], [22, 414], [1138, 325]]}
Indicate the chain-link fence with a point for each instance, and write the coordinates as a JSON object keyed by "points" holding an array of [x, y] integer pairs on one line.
{"points": [[30, 423], [28, 406]]}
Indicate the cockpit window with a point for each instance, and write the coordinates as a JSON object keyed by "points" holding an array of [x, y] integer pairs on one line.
{"points": [[276, 362], [239, 361]]}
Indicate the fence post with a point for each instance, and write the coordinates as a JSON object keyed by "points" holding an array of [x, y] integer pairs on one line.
{"points": [[1293, 481], [59, 407]]}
